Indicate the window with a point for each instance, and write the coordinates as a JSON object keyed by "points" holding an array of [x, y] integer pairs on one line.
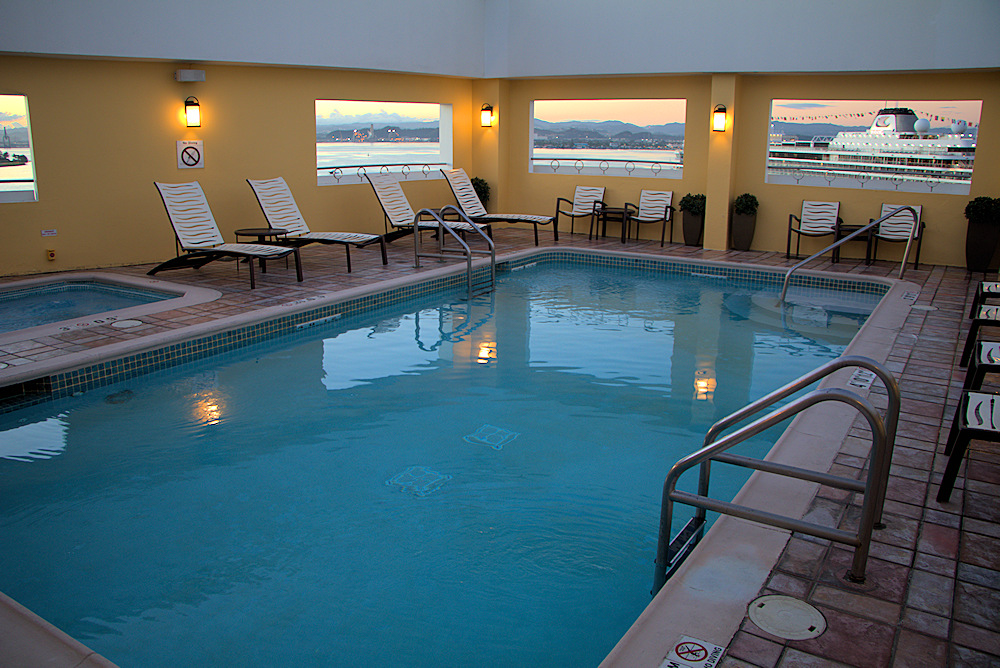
{"points": [[17, 163], [407, 138], [910, 146], [619, 138]]}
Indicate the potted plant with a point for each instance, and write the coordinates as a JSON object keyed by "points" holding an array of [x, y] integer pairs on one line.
{"points": [[744, 221], [693, 207], [983, 232], [482, 189]]}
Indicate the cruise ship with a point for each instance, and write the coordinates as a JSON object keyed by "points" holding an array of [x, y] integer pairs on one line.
{"points": [[898, 152]]}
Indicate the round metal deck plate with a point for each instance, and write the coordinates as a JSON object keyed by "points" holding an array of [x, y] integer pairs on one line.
{"points": [[787, 617], [125, 324]]}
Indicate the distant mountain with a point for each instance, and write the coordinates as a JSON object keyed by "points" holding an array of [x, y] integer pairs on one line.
{"points": [[416, 125], [606, 128]]}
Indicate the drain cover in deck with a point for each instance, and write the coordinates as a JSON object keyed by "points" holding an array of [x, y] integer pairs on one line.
{"points": [[787, 617]]}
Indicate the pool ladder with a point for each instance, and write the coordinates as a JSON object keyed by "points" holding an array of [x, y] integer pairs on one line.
{"points": [[478, 281], [671, 553]]}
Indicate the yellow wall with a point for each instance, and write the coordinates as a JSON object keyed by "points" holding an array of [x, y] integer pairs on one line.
{"points": [[103, 131]]}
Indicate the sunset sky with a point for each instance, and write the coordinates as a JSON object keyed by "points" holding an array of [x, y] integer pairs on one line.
{"points": [[639, 112], [350, 111], [845, 112], [12, 110]]}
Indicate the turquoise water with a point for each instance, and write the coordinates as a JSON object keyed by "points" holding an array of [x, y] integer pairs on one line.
{"points": [[58, 301], [431, 485]]}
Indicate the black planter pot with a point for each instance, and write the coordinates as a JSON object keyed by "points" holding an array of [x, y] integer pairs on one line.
{"points": [[742, 230], [981, 240], [694, 225]]}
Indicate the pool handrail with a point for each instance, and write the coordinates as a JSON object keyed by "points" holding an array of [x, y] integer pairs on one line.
{"points": [[465, 224], [842, 240], [670, 553]]}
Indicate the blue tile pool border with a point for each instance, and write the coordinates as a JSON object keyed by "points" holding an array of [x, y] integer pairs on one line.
{"points": [[64, 384]]}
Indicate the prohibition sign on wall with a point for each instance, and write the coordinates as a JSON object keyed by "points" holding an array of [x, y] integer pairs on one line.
{"points": [[190, 155]]}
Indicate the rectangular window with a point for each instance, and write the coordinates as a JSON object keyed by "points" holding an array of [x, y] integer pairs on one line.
{"points": [[412, 139], [637, 137], [17, 163], [906, 146]]}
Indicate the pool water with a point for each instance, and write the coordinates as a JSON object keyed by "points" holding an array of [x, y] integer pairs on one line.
{"points": [[54, 302], [457, 484]]}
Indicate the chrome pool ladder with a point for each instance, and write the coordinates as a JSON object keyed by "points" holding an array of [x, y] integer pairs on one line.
{"points": [[478, 282], [671, 553]]}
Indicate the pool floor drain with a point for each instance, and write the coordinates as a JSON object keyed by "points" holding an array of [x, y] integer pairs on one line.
{"points": [[787, 617], [126, 324]]}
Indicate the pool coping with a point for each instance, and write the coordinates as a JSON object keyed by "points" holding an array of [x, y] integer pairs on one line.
{"points": [[186, 295], [707, 598]]}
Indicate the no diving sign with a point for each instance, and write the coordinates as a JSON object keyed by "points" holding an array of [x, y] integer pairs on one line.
{"points": [[190, 155], [690, 652]]}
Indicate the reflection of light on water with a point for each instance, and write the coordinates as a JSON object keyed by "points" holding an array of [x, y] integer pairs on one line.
{"points": [[39, 440], [208, 408], [487, 352], [704, 384]]}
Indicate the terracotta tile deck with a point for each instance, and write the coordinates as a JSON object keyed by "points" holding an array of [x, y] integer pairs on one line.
{"points": [[933, 593]]}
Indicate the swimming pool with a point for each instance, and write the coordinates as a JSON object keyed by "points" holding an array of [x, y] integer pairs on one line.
{"points": [[215, 437]]}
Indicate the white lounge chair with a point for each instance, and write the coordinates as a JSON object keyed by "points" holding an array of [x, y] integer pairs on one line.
{"points": [[199, 237], [471, 205], [397, 209], [281, 212], [818, 219], [587, 202]]}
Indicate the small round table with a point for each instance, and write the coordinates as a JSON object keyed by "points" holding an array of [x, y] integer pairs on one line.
{"points": [[262, 233]]}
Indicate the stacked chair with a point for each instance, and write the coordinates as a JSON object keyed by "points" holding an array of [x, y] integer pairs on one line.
{"points": [[978, 413]]}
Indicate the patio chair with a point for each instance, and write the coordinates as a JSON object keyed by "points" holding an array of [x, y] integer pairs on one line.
{"points": [[976, 417], [281, 212], [818, 219], [471, 205], [199, 237], [587, 203], [985, 291], [895, 229], [654, 207]]}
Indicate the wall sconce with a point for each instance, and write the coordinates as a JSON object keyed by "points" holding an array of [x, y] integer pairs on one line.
{"points": [[719, 118], [192, 112], [486, 116]]}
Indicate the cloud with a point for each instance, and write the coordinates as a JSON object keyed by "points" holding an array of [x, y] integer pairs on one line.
{"points": [[381, 116], [8, 117], [805, 105]]}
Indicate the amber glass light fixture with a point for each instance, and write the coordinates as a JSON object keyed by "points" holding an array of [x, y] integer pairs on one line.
{"points": [[192, 112], [719, 118]]}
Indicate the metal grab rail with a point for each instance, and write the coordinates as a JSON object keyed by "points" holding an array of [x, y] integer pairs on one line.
{"points": [[446, 253], [670, 553], [839, 242]]}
